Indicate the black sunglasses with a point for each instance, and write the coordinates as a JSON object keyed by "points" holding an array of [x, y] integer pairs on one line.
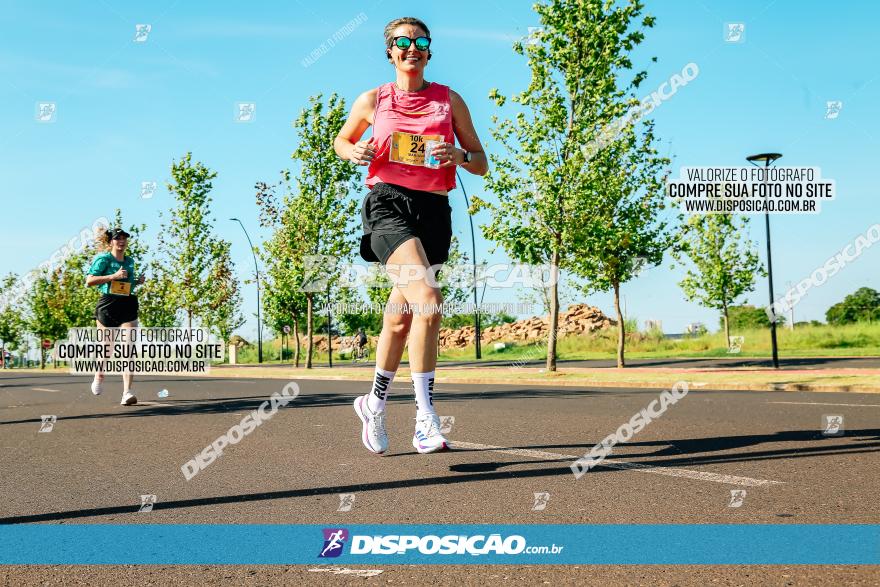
{"points": [[422, 43]]}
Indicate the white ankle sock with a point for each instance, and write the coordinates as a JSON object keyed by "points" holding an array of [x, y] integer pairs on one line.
{"points": [[381, 386], [423, 387]]}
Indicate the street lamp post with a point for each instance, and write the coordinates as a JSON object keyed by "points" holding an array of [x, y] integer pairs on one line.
{"points": [[257, 271], [768, 158], [474, 251]]}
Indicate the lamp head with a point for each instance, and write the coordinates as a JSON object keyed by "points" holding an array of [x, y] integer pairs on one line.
{"points": [[765, 158]]}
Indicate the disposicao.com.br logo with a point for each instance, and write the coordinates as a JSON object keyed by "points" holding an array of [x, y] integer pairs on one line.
{"points": [[476, 545]]}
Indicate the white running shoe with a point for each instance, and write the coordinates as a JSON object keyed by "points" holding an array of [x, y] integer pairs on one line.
{"points": [[373, 435], [97, 386], [128, 399], [427, 437]]}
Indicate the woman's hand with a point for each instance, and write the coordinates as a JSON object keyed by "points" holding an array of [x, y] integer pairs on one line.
{"points": [[448, 154], [120, 275], [363, 152], [141, 279]]}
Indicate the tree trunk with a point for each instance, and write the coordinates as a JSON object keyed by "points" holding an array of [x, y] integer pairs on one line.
{"points": [[621, 328], [309, 331], [329, 332], [554, 310], [189, 319], [726, 326], [296, 334]]}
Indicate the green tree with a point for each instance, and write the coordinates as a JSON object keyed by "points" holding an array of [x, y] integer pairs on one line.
{"points": [[157, 307], [863, 305], [352, 321], [12, 327], [222, 312], [324, 233], [554, 208], [724, 262], [747, 317], [77, 300], [284, 303], [44, 309], [187, 245]]}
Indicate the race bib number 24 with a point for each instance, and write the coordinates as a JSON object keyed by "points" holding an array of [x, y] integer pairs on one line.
{"points": [[409, 149]]}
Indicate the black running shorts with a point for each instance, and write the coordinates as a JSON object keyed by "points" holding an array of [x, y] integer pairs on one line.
{"points": [[113, 311], [392, 214]]}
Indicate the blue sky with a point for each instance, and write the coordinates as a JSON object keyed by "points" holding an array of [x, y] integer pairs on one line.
{"points": [[126, 109]]}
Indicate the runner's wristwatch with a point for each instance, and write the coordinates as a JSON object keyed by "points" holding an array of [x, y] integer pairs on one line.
{"points": [[467, 157]]}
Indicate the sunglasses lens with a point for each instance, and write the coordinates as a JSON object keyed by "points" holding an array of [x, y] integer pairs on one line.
{"points": [[422, 43], [403, 42]]}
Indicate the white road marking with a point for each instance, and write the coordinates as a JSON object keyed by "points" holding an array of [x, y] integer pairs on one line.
{"points": [[343, 571], [45, 389], [668, 471], [824, 404]]}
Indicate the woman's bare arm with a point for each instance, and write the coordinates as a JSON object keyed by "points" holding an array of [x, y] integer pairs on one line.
{"points": [[347, 143], [467, 135]]}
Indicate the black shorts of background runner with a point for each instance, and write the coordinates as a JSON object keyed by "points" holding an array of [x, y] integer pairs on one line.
{"points": [[393, 214], [113, 311]]}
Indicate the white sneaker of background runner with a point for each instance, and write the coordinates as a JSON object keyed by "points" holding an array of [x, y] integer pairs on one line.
{"points": [[423, 387], [128, 399], [427, 437], [381, 386], [97, 386], [373, 433]]}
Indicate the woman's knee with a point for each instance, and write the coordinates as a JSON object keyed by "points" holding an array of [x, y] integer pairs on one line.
{"points": [[429, 306], [397, 324]]}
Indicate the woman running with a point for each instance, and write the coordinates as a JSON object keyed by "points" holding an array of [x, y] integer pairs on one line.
{"points": [[113, 272], [406, 215]]}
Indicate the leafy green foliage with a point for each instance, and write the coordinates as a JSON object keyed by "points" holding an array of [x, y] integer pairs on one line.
{"points": [[863, 305], [187, 245], [724, 262], [747, 317], [590, 215], [313, 217], [222, 312], [12, 327]]}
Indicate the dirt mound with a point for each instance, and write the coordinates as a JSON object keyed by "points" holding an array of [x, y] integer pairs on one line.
{"points": [[578, 319]]}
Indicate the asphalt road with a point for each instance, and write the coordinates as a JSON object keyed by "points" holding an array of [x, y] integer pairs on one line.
{"points": [[512, 442]]}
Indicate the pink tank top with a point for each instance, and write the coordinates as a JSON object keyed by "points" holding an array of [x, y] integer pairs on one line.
{"points": [[401, 124]]}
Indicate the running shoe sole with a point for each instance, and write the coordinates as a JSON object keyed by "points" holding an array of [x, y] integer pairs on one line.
{"points": [[358, 409], [429, 449]]}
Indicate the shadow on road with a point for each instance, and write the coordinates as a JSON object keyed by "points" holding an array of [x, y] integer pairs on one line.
{"points": [[480, 472], [209, 406], [698, 446]]}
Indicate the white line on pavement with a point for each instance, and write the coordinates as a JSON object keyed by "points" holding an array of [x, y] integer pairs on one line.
{"points": [[668, 471], [824, 404], [366, 573], [45, 389]]}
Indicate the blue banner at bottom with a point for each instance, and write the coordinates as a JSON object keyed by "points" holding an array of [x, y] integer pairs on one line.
{"points": [[268, 544]]}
